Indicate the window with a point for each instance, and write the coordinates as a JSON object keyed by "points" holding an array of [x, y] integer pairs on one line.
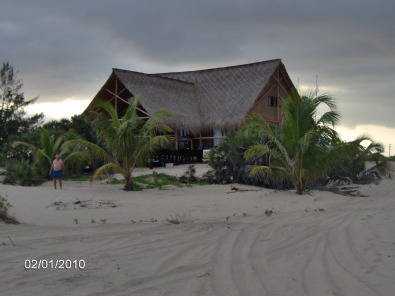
{"points": [[273, 101]]}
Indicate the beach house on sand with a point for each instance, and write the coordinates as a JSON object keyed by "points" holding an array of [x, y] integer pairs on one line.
{"points": [[204, 104]]}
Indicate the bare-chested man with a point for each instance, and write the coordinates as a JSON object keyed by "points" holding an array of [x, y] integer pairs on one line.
{"points": [[56, 171]]}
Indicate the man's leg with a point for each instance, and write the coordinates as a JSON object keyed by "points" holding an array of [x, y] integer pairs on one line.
{"points": [[60, 184], [54, 183]]}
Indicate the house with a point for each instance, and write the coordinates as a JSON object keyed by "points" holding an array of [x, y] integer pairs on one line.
{"points": [[204, 104]]}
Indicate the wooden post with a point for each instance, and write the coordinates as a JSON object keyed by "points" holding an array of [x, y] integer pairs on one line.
{"points": [[176, 137], [126, 102], [278, 95], [116, 95]]}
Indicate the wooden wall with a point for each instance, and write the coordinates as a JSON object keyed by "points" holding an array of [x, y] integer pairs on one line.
{"points": [[279, 86]]}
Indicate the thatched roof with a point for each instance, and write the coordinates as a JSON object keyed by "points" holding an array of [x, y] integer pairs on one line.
{"points": [[197, 99], [155, 93]]}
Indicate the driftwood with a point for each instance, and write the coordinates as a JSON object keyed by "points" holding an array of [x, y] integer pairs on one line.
{"points": [[234, 189], [346, 190], [339, 181]]}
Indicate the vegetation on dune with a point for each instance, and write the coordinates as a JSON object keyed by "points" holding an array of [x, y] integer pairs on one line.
{"points": [[22, 172], [347, 159], [228, 161], [128, 141], [4, 207], [26, 141], [33, 161], [48, 147], [13, 120], [298, 149], [303, 151]]}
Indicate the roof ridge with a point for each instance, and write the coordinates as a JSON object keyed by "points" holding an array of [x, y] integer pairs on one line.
{"points": [[125, 70], [155, 76], [169, 78], [222, 68]]}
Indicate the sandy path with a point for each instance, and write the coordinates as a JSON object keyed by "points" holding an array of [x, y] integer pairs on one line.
{"points": [[348, 249]]}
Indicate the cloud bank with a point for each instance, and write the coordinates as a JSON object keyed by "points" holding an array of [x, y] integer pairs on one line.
{"points": [[66, 49]]}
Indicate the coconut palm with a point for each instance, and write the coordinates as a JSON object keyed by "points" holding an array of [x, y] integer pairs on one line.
{"points": [[48, 147], [296, 148], [348, 158], [128, 140]]}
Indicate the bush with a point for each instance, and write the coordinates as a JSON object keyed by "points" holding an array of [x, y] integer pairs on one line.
{"points": [[222, 170], [4, 207], [23, 173], [4, 204], [347, 160], [227, 159], [230, 166], [190, 175]]}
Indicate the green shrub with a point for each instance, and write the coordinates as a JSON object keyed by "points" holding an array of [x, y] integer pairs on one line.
{"points": [[23, 173], [222, 171], [155, 180], [189, 176], [4, 207], [229, 164], [347, 159], [4, 204], [227, 159]]}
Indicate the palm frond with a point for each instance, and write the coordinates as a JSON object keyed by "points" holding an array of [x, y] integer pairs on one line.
{"points": [[42, 154], [159, 141], [256, 151], [156, 122], [361, 138], [31, 147], [275, 140], [97, 151], [77, 157], [107, 169], [325, 99], [259, 170], [47, 143], [108, 108], [57, 144], [330, 117]]}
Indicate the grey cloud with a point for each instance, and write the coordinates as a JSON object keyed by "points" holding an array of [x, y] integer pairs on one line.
{"points": [[67, 48]]}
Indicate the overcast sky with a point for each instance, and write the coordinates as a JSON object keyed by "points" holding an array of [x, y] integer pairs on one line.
{"points": [[64, 50]]}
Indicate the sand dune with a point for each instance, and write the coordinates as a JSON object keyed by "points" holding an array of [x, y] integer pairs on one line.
{"points": [[346, 248]]}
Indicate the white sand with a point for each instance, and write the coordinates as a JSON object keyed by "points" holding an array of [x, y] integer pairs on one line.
{"points": [[347, 249]]}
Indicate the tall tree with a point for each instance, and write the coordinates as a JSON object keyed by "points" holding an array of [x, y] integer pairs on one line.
{"points": [[13, 118]]}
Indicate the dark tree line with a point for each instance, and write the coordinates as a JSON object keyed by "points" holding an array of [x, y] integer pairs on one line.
{"points": [[14, 121]]}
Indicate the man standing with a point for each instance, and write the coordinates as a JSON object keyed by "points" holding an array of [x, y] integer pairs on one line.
{"points": [[56, 171]]}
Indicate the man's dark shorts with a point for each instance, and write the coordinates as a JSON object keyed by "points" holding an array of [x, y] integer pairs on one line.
{"points": [[57, 175]]}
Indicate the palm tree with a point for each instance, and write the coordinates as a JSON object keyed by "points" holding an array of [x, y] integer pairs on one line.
{"points": [[348, 158], [296, 148], [48, 147], [128, 141]]}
